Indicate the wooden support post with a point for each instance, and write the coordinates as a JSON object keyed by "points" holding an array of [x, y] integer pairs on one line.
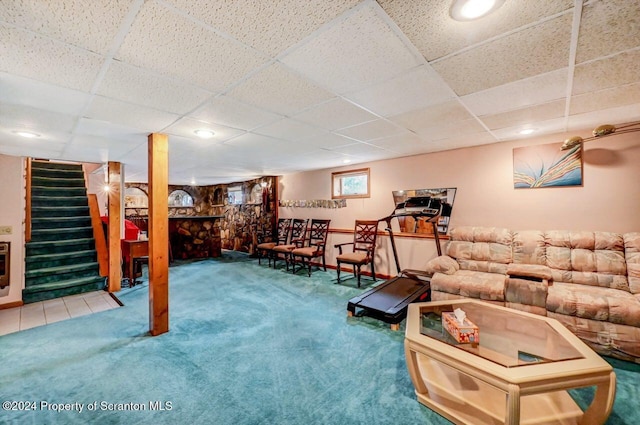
{"points": [[115, 222], [158, 234]]}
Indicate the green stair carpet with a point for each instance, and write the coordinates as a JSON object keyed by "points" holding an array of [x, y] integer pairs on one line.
{"points": [[61, 257], [247, 345]]}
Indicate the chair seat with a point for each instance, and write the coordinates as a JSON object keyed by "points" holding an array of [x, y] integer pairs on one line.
{"points": [[266, 245], [284, 248], [307, 251], [357, 257]]}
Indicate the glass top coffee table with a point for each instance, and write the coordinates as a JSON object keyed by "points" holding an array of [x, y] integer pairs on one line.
{"points": [[517, 373]]}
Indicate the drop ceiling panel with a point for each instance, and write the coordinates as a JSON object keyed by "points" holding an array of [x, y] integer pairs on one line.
{"points": [[370, 52], [111, 131], [618, 115], [607, 98], [518, 94], [451, 129], [279, 90], [608, 27], [289, 129], [186, 127], [129, 115], [334, 114], [614, 71], [425, 118], [225, 110], [532, 114], [430, 28], [362, 151], [18, 117], [167, 42], [263, 148], [372, 130], [542, 127], [74, 23], [50, 61], [98, 149], [135, 85], [328, 140], [25, 91], [269, 26], [403, 144], [519, 55], [416, 89]]}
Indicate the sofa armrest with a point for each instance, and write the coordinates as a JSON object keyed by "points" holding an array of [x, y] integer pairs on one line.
{"points": [[529, 272], [442, 264]]}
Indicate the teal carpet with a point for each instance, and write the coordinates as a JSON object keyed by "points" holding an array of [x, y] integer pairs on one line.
{"points": [[247, 345]]}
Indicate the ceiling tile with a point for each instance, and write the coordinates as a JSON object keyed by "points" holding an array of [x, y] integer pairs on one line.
{"points": [[27, 92], [450, 129], [372, 130], [608, 27], [407, 143], [289, 129], [111, 131], [168, 43], [98, 149], [428, 117], [416, 89], [604, 99], [265, 148], [609, 72], [328, 140], [279, 90], [334, 114], [518, 94], [370, 52], [50, 61], [135, 85], [524, 116], [516, 56], [185, 127], [227, 111], [129, 115], [556, 125], [428, 25], [90, 25], [49, 140], [18, 117], [363, 151], [269, 26], [618, 115]]}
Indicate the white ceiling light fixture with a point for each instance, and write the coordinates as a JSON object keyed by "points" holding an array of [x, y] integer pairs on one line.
{"points": [[27, 134], [527, 131], [204, 134], [468, 10]]}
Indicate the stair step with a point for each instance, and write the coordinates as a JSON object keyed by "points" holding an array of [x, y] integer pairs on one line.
{"points": [[40, 181], [57, 173], [59, 247], [59, 270], [63, 192], [52, 201], [49, 165], [62, 288], [41, 235], [60, 222], [42, 261], [55, 274], [59, 211]]}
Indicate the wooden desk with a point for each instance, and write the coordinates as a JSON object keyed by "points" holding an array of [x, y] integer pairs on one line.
{"points": [[132, 249]]}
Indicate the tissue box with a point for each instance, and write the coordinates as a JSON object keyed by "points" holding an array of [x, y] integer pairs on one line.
{"points": [[466, 332]]}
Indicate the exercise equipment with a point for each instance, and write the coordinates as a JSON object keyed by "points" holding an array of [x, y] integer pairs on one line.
{"points": [[388, 301]]}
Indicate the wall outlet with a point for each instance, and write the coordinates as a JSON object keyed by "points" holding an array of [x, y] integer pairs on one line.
{"points": [[6, 230]]}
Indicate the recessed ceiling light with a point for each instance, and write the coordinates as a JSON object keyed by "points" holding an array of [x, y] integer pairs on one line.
{"points": [[204, 134], [527, 131], [27, 134], [346, 161], [468, 10]]}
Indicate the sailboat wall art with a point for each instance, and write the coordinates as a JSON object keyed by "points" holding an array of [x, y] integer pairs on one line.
{"points": [[547, 166]]}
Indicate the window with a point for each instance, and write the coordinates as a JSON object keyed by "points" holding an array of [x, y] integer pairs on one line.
{"points": [[235, 195], [350, 184], [180, 198]]}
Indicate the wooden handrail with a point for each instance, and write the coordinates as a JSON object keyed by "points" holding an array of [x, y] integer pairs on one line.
{"points": [[27, 219], [98, 235]]}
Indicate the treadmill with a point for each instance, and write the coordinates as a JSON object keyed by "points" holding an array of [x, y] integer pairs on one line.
{"points": [[388, 301]]}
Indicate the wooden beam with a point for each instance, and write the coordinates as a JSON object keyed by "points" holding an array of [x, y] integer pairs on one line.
{"points": [[115, 223], [98, 235], [158, 234]]}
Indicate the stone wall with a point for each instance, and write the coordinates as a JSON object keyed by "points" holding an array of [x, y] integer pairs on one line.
{"points": [[242, 226]]}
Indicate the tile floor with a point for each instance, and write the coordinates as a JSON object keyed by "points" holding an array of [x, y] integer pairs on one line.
{"points": [[51, 311]]}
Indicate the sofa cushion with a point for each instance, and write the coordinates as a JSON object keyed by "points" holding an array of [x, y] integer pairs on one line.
{"points": [[442, 264], [486, 249], [529, 247], [632, 254], [471, 284], [590, 302]]}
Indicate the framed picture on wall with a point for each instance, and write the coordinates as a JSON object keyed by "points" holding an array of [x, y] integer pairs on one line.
{"points": [[547, 166]]}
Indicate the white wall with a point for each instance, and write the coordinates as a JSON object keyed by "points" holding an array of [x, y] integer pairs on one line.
{"points": [[12, 214], [609, 199]]}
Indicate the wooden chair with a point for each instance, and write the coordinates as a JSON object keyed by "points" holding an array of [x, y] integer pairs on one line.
{"points": [[298, 231], [313, 247], [282, 238], [364, 246]]}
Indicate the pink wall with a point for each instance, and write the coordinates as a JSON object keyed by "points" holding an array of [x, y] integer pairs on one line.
{"points": [[609, 199], [12, 214]]}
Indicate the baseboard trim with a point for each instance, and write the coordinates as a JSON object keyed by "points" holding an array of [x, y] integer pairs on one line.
{"points": [[12, 305]]}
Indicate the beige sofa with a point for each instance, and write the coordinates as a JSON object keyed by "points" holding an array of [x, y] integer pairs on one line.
{"points": [[589, 281]]}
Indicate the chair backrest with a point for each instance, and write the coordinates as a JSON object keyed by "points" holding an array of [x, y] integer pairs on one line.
{"points": [[298, 230], [284, 231], [365, 235], [318, 232]]}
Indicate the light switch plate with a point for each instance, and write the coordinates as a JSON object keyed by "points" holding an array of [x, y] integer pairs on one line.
{"points": [[6, 230]]}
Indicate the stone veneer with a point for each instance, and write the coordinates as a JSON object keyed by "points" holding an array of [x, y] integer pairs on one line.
{"points": [[241, 227]]}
